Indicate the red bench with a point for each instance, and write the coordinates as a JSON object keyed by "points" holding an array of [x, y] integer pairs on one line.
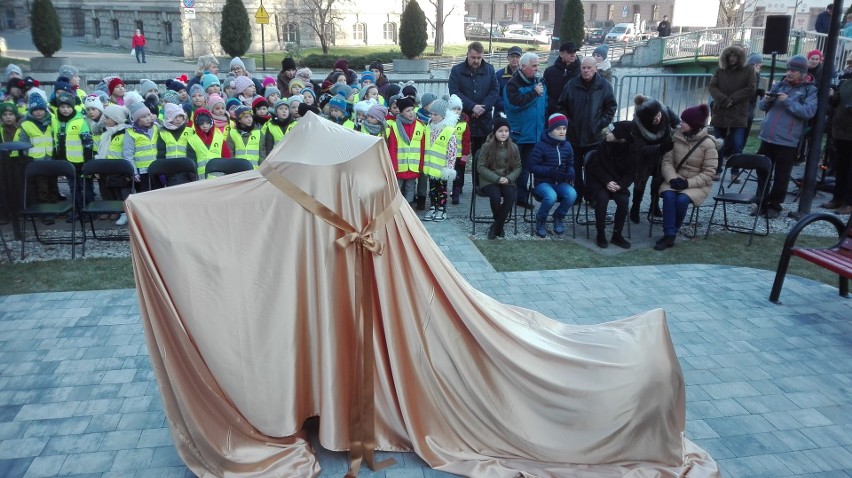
{"points": [[837, 258]]}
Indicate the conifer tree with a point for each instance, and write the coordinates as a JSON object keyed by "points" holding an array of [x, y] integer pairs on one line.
{"points": [[412, 30], [235, 34], [46, 30], [571, 26]]}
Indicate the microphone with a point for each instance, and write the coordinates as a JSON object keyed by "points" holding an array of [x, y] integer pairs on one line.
{"points": [[537, 77]]}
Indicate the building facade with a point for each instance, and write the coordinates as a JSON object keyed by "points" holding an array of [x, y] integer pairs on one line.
{"points": [[595, 13]]}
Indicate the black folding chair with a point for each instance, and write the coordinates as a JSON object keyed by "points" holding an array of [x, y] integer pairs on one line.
{"points": [[6, 248], [747, 164], [51, 170], [225, 166], [94, 208], [169, 167], [474, 219]]}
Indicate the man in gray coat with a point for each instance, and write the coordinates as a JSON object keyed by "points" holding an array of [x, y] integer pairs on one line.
{"points": [[732, 87]]}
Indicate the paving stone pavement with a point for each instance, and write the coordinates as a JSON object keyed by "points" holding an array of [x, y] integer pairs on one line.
{"points": [[769, 387]]}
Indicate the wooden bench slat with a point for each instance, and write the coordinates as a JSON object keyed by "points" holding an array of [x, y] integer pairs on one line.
{"points": [[831, 259]]}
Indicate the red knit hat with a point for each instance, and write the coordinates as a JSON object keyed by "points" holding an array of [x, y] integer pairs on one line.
{"points": [[113, 83], [815, 52]]}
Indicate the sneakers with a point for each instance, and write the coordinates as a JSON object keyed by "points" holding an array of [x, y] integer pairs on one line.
{"points": [[601, 241], [430, 215], [558, 225], [620, 241], [664, 243], [440, 215], [122, 220]]}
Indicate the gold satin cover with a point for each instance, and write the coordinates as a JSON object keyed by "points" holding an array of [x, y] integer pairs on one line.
{"points": [[254, 310]]}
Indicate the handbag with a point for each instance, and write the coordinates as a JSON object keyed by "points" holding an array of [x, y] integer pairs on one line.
{"points": [[133, 51]]}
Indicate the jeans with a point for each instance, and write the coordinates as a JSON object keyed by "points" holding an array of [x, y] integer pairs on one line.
{"points": [[675, 205], [549, 194], [407, 187], [524, 178], [735, 139], [140, 50]]}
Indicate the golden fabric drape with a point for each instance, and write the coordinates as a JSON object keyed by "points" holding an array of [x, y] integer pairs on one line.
{"points": [[251, 314]]}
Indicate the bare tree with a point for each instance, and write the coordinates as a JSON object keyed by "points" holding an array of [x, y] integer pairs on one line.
{"points": [[321, 16], [438, 23]]}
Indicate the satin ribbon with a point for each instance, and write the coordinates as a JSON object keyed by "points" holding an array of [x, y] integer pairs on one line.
{"points": [[362, 429]]}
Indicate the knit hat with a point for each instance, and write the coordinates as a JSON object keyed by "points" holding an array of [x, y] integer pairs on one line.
{"points": [[569, 47], [36, 102], [146, 86], [30, 83], [232, 103], [294, 99], [392, 89], [113, 83], [235, 61], [341, 64], [208, 80], [175, 85], [555, 120], [258, 102], [499, 122], [815, 52], [288, 64], [798, 63], [152, 102], [241, 83], [271, 89], [404, 102], [455, 102], [696, 116], [62, 84], [116, 113], [304, 74], [363, 106], [4, 107], [340, 89], [304, 108], [307, 91], [92, 101], [377, 65], [138, 111], [281, 102], [621, 129], [409, 90], [214, 99], [439, 107], [64, 98], [13, 69], [323, 99], [132, 97], [427, 100], [172, 111], [69, 71], [267, 80], [378, 111], [755, 59], [646, 109], [196, 88], [393, 99], [515, 50], [602, 50], [242, 110], [171, 96], [337, 102], [202, 115], [296, 82], [368, 75]]}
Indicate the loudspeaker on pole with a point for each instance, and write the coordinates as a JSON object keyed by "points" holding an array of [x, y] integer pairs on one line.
{"points": [[777, 36]]}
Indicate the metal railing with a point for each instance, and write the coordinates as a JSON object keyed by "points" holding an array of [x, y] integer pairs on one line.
{"points": [[677, 91]]}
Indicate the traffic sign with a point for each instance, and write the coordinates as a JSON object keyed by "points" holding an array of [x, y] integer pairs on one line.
{"points": [[261, 17], [190, 13], [188, 3], [624, 12]]}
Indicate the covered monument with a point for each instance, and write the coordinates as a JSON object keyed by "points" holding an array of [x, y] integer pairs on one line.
{"points": [[310, 288]]}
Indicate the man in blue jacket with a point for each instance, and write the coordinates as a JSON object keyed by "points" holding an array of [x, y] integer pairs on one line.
{"points": [[525, 101], [475, 82]]}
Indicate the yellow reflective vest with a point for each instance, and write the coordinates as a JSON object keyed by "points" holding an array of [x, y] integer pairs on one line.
{"points": [[461, 126], [42, 141], [204, 153], [145, 149], [435, 155], [73, 143], [250, 149], [175, 147], [408, 154]]}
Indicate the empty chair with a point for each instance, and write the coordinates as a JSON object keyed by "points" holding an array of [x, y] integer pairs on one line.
{"points": [[224, 166], [748, 164], [50, 170], [167, 168], [93, 208]]}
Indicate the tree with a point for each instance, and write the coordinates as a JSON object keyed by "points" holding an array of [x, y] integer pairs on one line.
{"points": [[47, 38], [412, 30], [571, 26], [729, 11], [438, 24], [321, 16], [235, 35]]}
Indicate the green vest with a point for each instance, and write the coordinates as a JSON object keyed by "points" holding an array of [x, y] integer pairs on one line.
{"points": [[175, 147], [408, 154], [204, 153], [42, 141], [73, 143], [247, 150], [461, 126], [145, 149], [435, 156]]}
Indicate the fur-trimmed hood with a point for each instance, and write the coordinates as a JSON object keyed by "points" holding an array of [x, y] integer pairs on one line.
{"points": [[737, 50]]}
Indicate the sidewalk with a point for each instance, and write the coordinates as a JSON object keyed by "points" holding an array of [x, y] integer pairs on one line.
{"points": [[768, 386]]}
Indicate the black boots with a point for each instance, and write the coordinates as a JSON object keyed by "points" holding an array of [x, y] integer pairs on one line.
{"points": [[620, 241], [664, 243], [421, 202]]}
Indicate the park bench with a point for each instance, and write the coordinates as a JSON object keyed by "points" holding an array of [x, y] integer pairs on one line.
{"points": [[837, 258]]}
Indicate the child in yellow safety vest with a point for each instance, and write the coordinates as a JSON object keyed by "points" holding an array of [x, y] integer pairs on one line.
{"points": [[72, 141], [374, 123], [439, 157], [275, 129], [406, 141], [207, 143], [140, 144], [37, 129], [221, 119], [244, 138], [463, 151], [173, 139], [114, 187]]}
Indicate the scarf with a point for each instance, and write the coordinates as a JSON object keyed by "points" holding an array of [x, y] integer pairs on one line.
{"points": [[401, 122], [373, 129]]}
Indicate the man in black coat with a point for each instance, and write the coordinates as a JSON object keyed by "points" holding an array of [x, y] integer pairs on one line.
{"points": [[664, 28], [557, 75], [823, 20], [475, 82]]}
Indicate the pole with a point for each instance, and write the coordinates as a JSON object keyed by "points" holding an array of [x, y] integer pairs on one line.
{"points": [[809, 186], [263, 46], [491, 28]]}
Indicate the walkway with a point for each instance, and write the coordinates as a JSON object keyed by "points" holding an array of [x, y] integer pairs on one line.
{"points": [[768, 386]]}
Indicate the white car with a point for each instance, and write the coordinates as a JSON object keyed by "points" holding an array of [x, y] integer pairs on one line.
{"points": [[526, 35]]}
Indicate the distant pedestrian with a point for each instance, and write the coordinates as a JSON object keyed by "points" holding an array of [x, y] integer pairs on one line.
{"points": [[823, 20], [138, 45], [664, 28]]}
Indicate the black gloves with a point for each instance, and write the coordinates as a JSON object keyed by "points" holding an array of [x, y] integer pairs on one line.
{"points": [[678, 184], [760, 92]]}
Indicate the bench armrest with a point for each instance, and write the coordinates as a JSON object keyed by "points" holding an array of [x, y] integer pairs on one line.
{"points": [[806, 221]]}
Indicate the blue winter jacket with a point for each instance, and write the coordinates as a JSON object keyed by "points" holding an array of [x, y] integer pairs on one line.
{"points": [[476, 87], [785, 122], [524, 108], [550, 155]]}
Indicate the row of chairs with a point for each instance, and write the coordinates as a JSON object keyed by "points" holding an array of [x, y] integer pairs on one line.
{"points": [[93, 208]]}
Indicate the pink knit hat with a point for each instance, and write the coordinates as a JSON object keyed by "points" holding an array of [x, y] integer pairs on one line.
{"points": [[241, 83]]}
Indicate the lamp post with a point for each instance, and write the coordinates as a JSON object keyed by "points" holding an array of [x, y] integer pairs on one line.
{"points": [[491, 28]]}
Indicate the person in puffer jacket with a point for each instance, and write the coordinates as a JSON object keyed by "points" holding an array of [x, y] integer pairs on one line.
{"points": [[552, 166]]}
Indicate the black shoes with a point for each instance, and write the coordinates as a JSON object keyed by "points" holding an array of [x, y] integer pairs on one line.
{"points": [[620, 241], [492, 232], [421, 203], [664, 243], [601, 241], [634, 215]]}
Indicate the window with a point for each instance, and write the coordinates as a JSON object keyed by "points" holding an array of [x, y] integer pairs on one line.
{"points": [[359, 32], [96, 23], [759, 16], [389, 31], [167, 33], [610, 10], [545, 13], [116, 33], [508, 12], [479, 10], [593, 12], [655, 12], [291, 33]]}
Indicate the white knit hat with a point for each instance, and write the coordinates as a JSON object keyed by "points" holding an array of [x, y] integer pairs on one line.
{"points": [[116, 113], [92, 101]]}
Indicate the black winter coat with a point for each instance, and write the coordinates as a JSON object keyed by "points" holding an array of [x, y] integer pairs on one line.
{"points": [[590, 107], [613, 162], [479, 87], [556, 76]]}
